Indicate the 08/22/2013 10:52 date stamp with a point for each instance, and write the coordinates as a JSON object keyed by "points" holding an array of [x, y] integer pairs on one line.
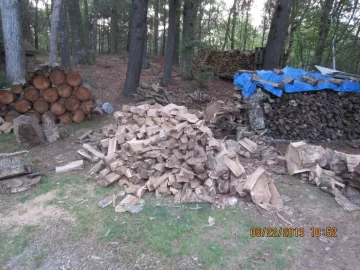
{"points": [[292, 232]]}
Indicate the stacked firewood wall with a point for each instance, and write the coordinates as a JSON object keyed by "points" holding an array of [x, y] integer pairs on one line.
{"points": [[50, 92]]}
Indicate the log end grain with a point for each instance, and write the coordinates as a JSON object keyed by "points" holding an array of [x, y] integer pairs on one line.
{"points": [[74, 79], [41, 82], [72, 103], [6, 97], [22, 105], [31, 94], [51, 95], [57, 77], [83, 93], [64, 90], [41, 106], [77, 116], [57, 108]]}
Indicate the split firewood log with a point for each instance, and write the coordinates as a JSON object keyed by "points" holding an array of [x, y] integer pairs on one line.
{"points": [[7, 97], [41, 106], [88, 106], [22, 105], [77, 116], [64, 90], [74, 79], [83, 92], [57, 108], [31, 94], [34, 114], [72, 103], [51, 95], [48, 115], [41, 82], [57, 77]]}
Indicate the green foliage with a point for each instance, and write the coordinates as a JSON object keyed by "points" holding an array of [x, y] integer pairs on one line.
{"points": [[205, 78], [3, 81]]}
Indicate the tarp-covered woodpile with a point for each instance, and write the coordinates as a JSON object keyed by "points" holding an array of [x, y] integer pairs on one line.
{"points": [[225, 62]]}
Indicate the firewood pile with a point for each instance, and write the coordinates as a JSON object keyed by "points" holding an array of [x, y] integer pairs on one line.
{"points": [[152, 93], [317, 116], [225, 62], [172, 152], [335, 172], [51, 92]]}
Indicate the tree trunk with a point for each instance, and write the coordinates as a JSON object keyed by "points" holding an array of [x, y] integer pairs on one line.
{"points": [[170, 44], [164, 30], [87, 25], [228, 27], [276, 38], [145, 62], [137, 41], [246, 29], [156, 28], [324, 29], [113, 29], [233, 26], [13, 41], [64, 38], [177, 35], [188, 39], [55, 17], [36, 26], [95, 25], [80, 53]]}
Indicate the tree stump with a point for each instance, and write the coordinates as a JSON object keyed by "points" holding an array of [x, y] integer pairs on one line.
{"points": [[27, 131]]}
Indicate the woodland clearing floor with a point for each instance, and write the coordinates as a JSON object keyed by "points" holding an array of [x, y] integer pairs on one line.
{"points": [[58, 225]]}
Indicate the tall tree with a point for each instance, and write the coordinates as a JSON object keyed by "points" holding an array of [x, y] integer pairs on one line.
{"points": [[80, 54], [36, 25], [164, 30], [156, 28], [13, 41], [55, 17], [228, 26], [234, 17], [86, 25], [277, 34], [95, 26], [189, 15], [137, 41], [177, 35], [64, 36], [113, 28], [170, 43]]}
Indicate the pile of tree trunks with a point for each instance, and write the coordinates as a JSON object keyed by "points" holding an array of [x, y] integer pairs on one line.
{"points": [[316, 116], [334, 172], [172, 152], [51, 92], [225, 63]]}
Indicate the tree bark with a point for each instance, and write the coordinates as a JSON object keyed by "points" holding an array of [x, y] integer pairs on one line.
{"points": [[137, 41], [113, 29], [13, 41], [277, 34], [145, 62], [80, 53], [156, 28], [245, 36], [87, 25], [190, 10], [36, 26], [95, 26], [64, 38], [177, 36], [164, 30], [55, 17], [228, 27], [233, 26], [170, 44]]}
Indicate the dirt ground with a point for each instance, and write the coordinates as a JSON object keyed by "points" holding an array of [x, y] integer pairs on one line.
{"points": [[59, 226]]}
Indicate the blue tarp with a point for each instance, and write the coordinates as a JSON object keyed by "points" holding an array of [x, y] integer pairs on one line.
{"points": [[243, 81]]}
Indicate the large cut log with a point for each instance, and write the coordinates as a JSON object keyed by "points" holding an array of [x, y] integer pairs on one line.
{"points": [[57, 77], [7, 97], [51, 131], [4, 109], [28, 133], [13, 164], [22, 105], [11, 115], [48, 115], [34, 114], [77, 116], [51, 95], [41, 82], [72, 104], [17, 88], [41, 106], [83, 92], [65, 118], [88, 106], [31, 94], [74, 79], [64, 90], [302, 157], [57, 108]]}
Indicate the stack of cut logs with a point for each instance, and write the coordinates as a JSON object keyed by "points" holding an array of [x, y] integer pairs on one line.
{"points": [[225, 62], [314, 115], [171, 151], [50, 92]]}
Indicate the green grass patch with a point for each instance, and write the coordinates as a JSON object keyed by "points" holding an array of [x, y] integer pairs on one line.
{"points": [[8, 143]]}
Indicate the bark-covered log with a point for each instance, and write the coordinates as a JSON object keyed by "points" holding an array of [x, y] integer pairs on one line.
{"points": [[11, 115], [41, 106], [7, 97], [34, 114], [48, 115], [17, 88], [77, 116], [88, 106], [31, 94], [72, 103], [28, 133], [64, 90], [65, 118], [74, 78], [57, 77], [51, 95], [41, 82], [57, 108], [4, 109], [83, 92], [22, 105]]}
